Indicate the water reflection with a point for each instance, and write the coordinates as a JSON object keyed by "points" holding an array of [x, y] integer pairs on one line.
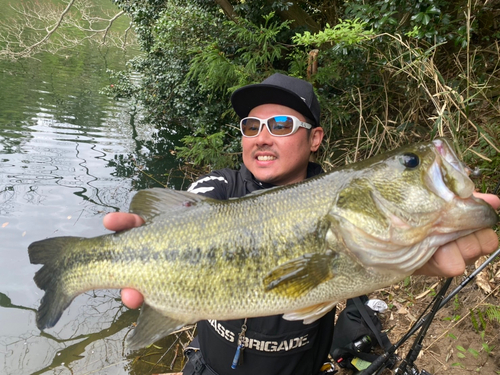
{"points": [[104, 347], [76, 346], [68, 156]]}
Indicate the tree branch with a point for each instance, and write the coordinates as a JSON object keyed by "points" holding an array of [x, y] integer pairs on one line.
{"points": [[51, 31], [299, 16], [36, 27], [228, 9], [110, 23]]}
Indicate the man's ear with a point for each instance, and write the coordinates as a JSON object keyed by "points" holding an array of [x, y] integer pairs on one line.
{"points": [[315, 138]]}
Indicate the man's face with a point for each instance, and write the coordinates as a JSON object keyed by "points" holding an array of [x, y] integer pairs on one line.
{"points": [[279, 160]]}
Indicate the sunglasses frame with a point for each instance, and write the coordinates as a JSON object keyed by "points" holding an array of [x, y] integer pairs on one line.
{"points": [[296, 125]]}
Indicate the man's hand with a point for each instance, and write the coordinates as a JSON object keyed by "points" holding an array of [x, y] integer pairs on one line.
{"points": [[450, 259], [118, 221]]}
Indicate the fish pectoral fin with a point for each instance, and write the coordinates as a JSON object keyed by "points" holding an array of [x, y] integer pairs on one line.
{"points": [[151, 326], [310, 314], [298, 276], [153, 202]]}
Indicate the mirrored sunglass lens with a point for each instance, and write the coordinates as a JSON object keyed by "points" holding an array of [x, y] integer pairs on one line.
{"points": [[250, 126], [281, 125]]}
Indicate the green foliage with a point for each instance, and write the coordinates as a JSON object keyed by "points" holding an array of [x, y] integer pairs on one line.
{"points": [[463, 353], [478, 321], [387, 71], [487, 348], [419, 19], [407, 281], [260, 47], [454, 318], [194, 60], [207, 149], [123, 88], [481, 318], [456, 303], [345, 32], [484, 316], [169, 30], [493, 313], [213, 70]]}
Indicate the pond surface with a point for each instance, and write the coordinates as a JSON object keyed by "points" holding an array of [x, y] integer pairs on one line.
{"points": [[68, 156]]}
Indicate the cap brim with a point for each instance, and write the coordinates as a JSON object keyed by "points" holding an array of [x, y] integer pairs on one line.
{"points": [[248, 97]]}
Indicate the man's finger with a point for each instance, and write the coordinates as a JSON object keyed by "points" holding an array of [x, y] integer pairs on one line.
{"points": [[117, 221], [477, 244], [491, 199], [132, 298], [447, 261]]}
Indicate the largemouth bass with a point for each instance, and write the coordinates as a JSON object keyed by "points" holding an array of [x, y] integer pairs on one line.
{"points": [[294, 250]]}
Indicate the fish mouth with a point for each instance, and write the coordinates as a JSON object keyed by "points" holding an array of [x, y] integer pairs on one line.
{"points": [[448, 177]]}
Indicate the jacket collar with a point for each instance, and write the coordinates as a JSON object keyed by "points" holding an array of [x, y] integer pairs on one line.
{"points": [[252, 184]]}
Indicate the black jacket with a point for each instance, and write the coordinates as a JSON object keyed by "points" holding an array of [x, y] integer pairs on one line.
{"points": [[273, 345]]}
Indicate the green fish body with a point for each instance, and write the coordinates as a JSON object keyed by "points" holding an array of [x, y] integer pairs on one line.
{"points": [[294, 250]]}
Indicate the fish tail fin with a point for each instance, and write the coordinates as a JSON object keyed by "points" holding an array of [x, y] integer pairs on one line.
{"points": [[50, 253]]}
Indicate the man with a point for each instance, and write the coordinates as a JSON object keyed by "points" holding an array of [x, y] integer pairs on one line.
{"points": [[280, 127]]}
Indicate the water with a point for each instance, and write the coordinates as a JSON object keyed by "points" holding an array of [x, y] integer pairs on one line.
{"points": [[68, 156]]}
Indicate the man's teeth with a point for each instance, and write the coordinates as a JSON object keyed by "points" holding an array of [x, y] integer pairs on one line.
{"points": [[266, 158]]}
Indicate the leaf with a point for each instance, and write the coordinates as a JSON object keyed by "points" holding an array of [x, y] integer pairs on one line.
{"points": [[474, 352], [407, 281], [461, 348], [433, 10], [493, 312], [417, 17], [488, 349]]}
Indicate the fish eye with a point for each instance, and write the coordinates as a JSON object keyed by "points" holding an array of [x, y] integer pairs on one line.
{"points": [[410, 160]]}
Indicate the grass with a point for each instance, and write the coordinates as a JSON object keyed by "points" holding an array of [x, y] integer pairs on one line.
{"points": [[426, 92]]}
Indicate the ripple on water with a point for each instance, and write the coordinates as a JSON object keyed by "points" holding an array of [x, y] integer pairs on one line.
{"points": [[60, 150]]}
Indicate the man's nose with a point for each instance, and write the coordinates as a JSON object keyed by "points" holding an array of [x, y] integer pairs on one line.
{"points": [[264, 137]]}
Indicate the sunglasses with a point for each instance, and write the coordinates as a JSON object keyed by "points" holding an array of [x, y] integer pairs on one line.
{"points": [[279, 126]]}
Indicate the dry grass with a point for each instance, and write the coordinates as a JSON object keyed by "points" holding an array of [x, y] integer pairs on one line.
{"points": [[426, 92]]}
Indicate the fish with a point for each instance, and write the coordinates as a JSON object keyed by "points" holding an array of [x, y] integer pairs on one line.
{"points": [[295, 250]]}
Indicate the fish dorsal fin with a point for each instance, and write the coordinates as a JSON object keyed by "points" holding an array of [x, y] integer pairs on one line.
{"points": [[310, 314], [151, 326], [150, 203], [298, 276]]}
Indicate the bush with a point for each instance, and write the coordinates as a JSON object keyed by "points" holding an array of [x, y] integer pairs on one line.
{"points": [[389, 72]]}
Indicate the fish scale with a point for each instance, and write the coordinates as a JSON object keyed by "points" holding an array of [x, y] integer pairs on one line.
{"points": [[294, 250]]}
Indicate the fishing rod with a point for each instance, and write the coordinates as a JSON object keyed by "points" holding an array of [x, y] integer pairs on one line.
{"points": [[407, 366], [382, 361]]}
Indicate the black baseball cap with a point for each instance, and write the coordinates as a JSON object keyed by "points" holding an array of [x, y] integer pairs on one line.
{"points": [[280, 89]]}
